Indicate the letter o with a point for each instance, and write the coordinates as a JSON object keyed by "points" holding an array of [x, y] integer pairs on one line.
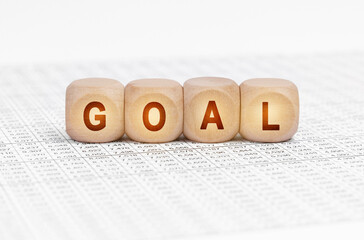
{"points": [[162, 116]]}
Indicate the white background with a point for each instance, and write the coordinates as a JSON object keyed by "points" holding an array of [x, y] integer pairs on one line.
{"points": [[88, 30]]}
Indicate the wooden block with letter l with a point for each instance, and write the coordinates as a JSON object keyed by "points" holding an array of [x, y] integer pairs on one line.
{"points": [[95, 110], [211, 109], [269, 109], [153, 110]]}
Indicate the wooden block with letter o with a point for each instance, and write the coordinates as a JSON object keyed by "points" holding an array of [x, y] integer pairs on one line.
{"points": [[153, 110], [95, 110], [211, 109], [269, 109]]}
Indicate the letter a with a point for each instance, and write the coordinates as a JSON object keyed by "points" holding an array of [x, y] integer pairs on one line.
{"points": [[266, 125], [211, 107]]}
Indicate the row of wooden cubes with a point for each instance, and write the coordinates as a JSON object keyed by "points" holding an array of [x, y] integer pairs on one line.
{"points": [[205, 109]]}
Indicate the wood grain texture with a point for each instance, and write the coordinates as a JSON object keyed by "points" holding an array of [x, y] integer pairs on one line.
{"points": [[213, 98], [279, 99], [153, 110], [95, 110]]}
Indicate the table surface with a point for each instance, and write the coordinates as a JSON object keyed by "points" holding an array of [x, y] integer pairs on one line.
{"points": [[55, 188]]}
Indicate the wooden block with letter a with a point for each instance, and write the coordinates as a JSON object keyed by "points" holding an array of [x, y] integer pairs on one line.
{"points": [[211, 109]]}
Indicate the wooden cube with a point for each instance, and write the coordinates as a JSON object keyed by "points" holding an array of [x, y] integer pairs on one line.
{"points": [[211, 109], [153, 110], [269, 109], [95, 110]]}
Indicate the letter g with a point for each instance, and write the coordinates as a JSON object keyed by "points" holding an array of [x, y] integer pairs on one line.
{"points": [[101, 118]]}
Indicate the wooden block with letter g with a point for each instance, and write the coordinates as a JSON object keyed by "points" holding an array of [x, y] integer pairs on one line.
{"points": [[211, 109], [95, 110], [269, 109], [153, 110]]}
